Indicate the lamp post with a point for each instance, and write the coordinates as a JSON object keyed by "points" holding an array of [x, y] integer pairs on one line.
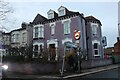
{"points": [[63, 64]]}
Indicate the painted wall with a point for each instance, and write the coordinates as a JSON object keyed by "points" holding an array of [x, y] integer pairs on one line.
{"points": [[91, 39], [76, 23]]}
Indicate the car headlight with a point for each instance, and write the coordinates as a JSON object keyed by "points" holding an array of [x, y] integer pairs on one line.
{"points": [[5, 67]]}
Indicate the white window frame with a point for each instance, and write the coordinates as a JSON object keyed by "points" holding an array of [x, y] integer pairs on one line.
{"points": [[24, 39], [40, 31], [66, 26], [52, 29], [94, 29], [36, 32], [50, 15], [62, 12], [98, 42], [96, 49]]}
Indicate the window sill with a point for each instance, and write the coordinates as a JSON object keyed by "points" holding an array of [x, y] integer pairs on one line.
{"points": [[96, 55], [67, 34], [38, 38]]}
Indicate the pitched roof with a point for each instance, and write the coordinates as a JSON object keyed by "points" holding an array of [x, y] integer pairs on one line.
{"points": [[117, 43], [19, 29], [91, 18], [39, 19], [6, 33]]}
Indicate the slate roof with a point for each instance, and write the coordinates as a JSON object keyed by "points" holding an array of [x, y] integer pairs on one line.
{"points": [[39, 19], [91, 18], [18, 29]]}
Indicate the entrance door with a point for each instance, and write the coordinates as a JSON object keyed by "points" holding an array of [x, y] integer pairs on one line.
{"points": [[52, 51]]}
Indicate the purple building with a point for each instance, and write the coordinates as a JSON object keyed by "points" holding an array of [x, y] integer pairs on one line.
{"points": [[94, 38], [50, 34]]}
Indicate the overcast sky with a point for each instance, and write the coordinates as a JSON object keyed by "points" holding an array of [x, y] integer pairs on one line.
{"points": [[106, 12]]}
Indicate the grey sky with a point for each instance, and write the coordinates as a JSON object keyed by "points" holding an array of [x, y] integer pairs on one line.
{"points": [[106, 12]]}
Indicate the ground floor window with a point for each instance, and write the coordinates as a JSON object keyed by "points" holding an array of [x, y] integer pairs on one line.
{"points": [[96, 49]]}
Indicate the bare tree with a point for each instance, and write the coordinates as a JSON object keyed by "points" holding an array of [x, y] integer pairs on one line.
{"points": [[5, 10]]}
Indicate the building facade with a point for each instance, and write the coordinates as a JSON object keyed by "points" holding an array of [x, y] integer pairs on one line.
{"points": [[21, 37], [6, 42], [18, 38], [94, 38], [51, 33]]}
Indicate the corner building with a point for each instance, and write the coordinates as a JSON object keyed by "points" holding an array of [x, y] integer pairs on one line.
{"points": [[50, 34]]}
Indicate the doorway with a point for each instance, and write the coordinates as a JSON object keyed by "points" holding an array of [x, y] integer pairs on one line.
{"points": [[52, 51]]}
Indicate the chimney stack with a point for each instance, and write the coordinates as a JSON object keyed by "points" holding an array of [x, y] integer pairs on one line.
{"points": [[118, 39]]}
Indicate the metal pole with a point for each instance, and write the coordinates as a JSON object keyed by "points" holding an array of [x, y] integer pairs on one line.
{"points": [[78, 53], [63, 64]]}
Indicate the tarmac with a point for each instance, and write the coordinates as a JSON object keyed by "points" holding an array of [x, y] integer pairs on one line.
{"points": [[66, 75]]}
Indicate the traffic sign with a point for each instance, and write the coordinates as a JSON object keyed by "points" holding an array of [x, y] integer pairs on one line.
{"points": [[70, 44], [77, 35]]}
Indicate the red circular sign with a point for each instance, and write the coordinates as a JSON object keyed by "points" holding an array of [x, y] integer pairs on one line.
{"points": [[77, 35]]}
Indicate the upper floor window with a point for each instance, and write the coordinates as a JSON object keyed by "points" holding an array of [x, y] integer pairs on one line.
{"points": [[61, 12], [50, 16], [66, 25], [41, 31], [24, 38], [52, 29], [38, 31], [13, 37], [94, 30], [17, 38]]}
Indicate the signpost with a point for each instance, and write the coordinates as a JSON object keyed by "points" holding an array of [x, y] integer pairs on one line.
{"points": [[72, 45], [77, 37]]}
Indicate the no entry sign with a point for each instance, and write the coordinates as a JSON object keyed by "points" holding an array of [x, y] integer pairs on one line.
{"points": [[77, 35]]}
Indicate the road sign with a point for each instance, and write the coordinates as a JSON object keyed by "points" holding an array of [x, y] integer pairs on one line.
{"points": [[104, 41], [70, 44], [77, 35]]}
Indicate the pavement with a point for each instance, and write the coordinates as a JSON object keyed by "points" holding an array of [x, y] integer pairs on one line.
{"points": [[66, 75]]}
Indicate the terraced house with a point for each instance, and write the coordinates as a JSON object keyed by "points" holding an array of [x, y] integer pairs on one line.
{"points": [[18, 38]]}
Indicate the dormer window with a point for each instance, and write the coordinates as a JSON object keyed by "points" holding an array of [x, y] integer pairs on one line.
{"points": [[61, 11], [50, 14]]}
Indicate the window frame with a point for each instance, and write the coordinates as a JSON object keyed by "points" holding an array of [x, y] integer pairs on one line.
{"points": [[96, 49], [50, 15], [61, 12], [52, 29], [36, 32], [39, 33], [94, 30], [24, 39], [66, 27]]}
